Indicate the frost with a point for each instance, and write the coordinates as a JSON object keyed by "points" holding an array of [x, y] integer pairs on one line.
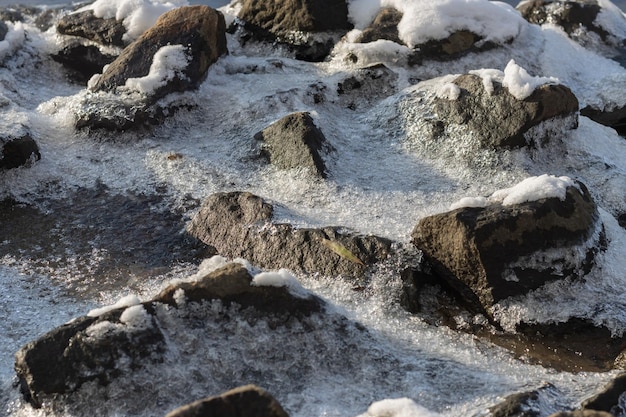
{"points": [[136, 317], [400, 407], [520, 83], [14, 38], [168, 63], [449, 91], [127, 301], [489, 75]]}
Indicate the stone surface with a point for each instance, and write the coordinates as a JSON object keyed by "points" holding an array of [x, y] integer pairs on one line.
{"points": [[199, 28], [615, 118], [18, 151], [384, 26], [295, 141], [104, 347], [86, 25], [499, 119], [246, 401], [83, 61], [474, 250], [366, 86], [582, 413], [608, 399], [239, 224], [454, 46], [522, 404]]}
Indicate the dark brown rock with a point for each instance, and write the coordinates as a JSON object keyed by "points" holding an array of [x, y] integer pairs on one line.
{"points": [[582, 413], [615, 118], [295, 142], [474, 249], [83, 61], [87, 25], [246, 401], [199, 28], [18, 151], [239, 224], [499, 119], [384, 26]]}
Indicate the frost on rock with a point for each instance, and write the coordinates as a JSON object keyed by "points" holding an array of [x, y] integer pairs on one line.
{"points": [[167, 64]]}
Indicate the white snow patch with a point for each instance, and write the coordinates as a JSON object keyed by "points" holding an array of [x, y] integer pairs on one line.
{"points": [[530, 189], [612, 19], [449, 91], [489, 75], [520, 83], [280, 278], [137, 15], [136, 317], [399, 407], [168, 63], [15, 37], [127, 301], [425, 20]]}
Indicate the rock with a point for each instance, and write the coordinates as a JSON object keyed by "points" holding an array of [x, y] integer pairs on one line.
{"points": [[582, 413], [484, 254], [4, 29], [523, 404], [18, 150], [103, 347], [577, 18], [608, 399], [200, 29], [367, 85], [309, 28], [615, 118], [499, 119], [295, 142], [83, 61], [87, 25], [384, 26], [239, 224], [454, 46], [246, 401]]}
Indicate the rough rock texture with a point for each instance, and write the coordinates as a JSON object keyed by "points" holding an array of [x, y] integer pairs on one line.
{"points": [[582, 413], [367, 85], [83, 61], [295, 142], [246, 401], [239, 224], [384, 26], [572, 16], [309, 28], [475, 249], [608, 399], [199, 28], [499, 119], [86, 25], [104, 347], [18, 151]]}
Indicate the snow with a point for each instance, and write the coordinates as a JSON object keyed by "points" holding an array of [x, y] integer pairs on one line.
{"points": [[280, 278], [520, 83], [425, 20], [530, 189], [611, 19], [449, 91], [168, 63], [127, 301], [14, 38], [136, 317], [400, 407], [137, 15], [489, 75]]}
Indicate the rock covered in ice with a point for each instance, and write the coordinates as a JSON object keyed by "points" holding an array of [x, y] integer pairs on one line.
{"points": [[500, 107], [18, 148], [245, 401], [86, 25], [487, 254], [116, 340], [83, 61], [239, 224], [295, 141], [201, 32]]}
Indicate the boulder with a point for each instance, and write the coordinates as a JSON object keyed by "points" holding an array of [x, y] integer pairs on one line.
{"points": [[245, 401], [87, 25], [18, 150], [308, 28], [120, 339], [497, 118], [384, 26], [239, 224], [82, 60], [486, 254], [295, 142], [577, 18], [200, 29]]}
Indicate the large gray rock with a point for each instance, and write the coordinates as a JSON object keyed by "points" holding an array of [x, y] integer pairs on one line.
{"points": [[200, 29], [87, 25], [295, 142], [246, 401], [104, 347], [239, 224], [498, 119], [486, 254]]}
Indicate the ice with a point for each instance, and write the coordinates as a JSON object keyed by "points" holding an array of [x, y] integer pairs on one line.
{"points": [[14, 38], [399, 407], [127, 301]]}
